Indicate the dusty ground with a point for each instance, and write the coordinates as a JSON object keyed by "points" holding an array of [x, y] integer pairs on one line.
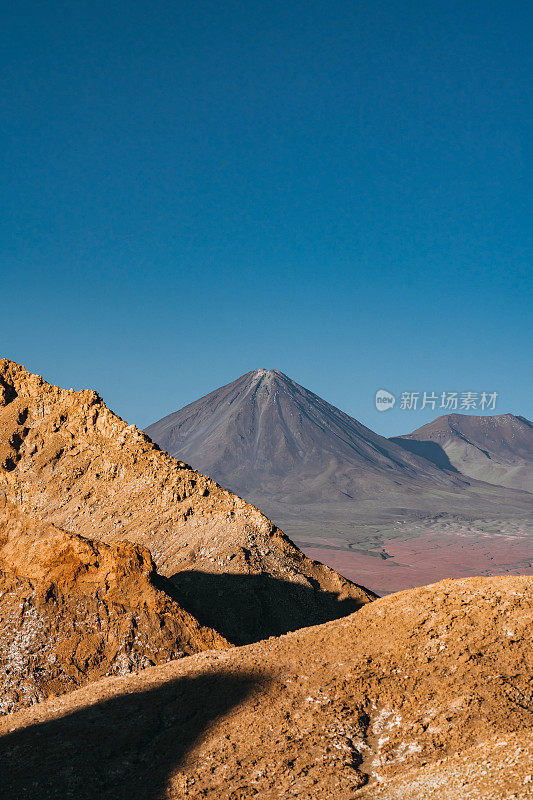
{"points": [[483, 531], [426, 693]]}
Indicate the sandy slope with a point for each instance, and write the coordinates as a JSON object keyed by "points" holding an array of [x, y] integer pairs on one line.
{"points": [[426, 693]]}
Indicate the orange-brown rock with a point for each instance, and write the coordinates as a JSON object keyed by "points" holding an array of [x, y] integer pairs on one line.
{"points": [[73, 610], [67, 459], [419, 695]]}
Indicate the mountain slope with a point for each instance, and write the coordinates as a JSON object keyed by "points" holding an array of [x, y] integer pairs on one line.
{"points": [[67, 459], [496, 449], [423, 694], [73, 610]]}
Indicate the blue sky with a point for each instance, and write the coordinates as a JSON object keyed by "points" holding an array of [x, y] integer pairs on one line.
{"points": [[339, 190]]}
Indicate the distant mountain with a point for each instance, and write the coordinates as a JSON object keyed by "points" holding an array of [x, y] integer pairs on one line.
{"points": [[263, 435], [346, 495], [496, 449]]}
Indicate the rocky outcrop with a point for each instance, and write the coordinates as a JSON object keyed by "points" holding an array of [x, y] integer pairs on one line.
{"points": [[67, 459], [73, 610], [422, 694]]}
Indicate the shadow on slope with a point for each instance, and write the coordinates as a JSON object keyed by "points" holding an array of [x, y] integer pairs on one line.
{"points": [[431, 451], [124, 748], [248, 608]]}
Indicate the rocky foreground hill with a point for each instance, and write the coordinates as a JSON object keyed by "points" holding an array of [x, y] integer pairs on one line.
{"points": [[422, 694], [66, 459], [73, 610]]}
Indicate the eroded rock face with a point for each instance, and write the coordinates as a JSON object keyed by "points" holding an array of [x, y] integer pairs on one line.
{"points": [[73, 610], [422, 694], [67, 459]]}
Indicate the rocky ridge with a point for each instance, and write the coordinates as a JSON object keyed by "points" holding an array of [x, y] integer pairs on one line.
{"points": [[66, 459]]}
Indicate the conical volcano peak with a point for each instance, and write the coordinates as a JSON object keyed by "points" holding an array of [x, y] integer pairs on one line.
{"points": [[265, 433], [267, 375], [263, 373], [266, 382]]}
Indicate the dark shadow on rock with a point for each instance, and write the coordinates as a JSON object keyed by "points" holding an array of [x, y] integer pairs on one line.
{"points": [[431, 451], [7, 392], [124, 748], [248, 608]]}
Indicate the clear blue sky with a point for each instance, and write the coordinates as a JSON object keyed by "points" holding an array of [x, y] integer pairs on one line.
{"points": [[340, 190]]}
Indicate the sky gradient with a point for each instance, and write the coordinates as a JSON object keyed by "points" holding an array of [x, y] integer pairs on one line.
{"points": [[341, 190]]}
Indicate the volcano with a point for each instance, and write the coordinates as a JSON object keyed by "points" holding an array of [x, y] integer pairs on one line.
{"points": [[264, 435]]}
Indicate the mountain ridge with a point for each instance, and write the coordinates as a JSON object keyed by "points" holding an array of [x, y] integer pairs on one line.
{"points": [[495, 448]]}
